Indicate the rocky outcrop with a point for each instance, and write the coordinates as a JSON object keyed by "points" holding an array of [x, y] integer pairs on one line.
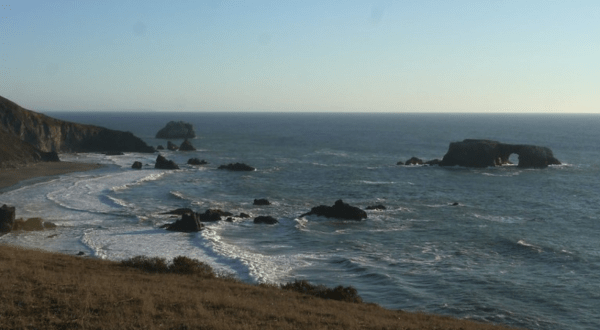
{"points": [[236, 167], [339, 210], [414, 161], [177, 130], [165, 164], [137, 165], [262, 201], [188, 223], [7, 218], [265, 220], [40, 135], [186, 146], [485, 153], [196, 161]]}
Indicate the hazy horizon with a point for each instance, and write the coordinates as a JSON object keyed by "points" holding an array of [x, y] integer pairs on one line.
{"points": [[301, 56]]}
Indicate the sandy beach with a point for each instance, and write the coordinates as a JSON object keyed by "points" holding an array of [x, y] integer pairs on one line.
{"points": [[12, 176]]}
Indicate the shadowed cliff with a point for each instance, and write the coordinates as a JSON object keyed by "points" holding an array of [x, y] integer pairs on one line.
{"points": [[46, 134]]}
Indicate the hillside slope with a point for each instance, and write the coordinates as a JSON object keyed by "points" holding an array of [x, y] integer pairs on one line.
{"points": [[45, 134]]}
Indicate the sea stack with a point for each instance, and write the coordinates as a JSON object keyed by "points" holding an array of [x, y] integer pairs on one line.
{"points": [[177, 130]]}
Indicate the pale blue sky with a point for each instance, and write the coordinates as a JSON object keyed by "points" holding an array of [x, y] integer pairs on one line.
{"points": [[380, 56]]}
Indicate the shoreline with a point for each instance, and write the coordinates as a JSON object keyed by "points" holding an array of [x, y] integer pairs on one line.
{"points": [[10, 177]]}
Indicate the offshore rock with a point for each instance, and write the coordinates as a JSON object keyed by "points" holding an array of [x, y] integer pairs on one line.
{"points": [[160, 147], [211, 215], [137, 165], [187, 146], [172, 146], [188, 223], [261, 201], [339, 210], [196, 161], [177, 130], [236, 167], [7, 218], [28, 136], [266, 220], [165, 164], [485, 153]]}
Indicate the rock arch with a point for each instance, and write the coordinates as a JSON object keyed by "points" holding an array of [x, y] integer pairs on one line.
{"points": [[485, 153]]}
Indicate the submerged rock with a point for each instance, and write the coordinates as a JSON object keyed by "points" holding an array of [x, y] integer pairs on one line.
{"points": [[196, 161], [180, 211], [237, 167], [339, 210], [376, 207], [165, 164], [265, 220], [262, 201], [484, 153], [176, 130]]}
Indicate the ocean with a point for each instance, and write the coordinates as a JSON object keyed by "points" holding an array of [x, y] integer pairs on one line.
{"points": [[521, 247]]}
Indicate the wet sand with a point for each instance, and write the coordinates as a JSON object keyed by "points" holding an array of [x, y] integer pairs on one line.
{"points": [[12, 176]]}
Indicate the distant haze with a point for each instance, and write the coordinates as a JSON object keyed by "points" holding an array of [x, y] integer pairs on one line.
{"points": [[314, 56]]}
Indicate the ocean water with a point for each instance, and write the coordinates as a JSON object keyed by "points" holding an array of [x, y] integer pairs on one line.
{"points": [[521, 247]]}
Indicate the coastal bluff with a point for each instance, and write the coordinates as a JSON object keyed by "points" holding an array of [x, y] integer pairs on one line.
{"points": [[28, 136], [486, 153]]}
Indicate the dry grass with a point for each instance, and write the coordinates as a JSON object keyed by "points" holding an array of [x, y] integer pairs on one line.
{"points": [[42, 290]]}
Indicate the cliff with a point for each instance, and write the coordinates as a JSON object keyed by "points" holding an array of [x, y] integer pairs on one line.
{"points": [[484, 153], [47, 134]]}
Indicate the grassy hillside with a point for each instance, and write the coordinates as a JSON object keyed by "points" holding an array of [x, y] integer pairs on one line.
{"points": [[41, 290]]}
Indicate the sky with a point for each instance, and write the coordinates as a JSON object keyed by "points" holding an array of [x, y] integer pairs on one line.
{"points": [[313, 56]]}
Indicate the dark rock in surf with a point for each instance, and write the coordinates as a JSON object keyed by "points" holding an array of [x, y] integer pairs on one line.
{"points": [[137, 165], [113, 153], [160, 147], [244, 215], [414, 161], [188, 223], [211, 215], [186, 146], [261, 201], [265, 220], [7, 218], [484, 153], [236, 167], [339, 210], [165, 164], [177, 130], [400, 163], [376, 207], [196, 161], [433, 162], [172, 146]]}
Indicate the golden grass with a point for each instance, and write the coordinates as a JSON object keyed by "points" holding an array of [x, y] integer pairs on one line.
{"points": [[42, 290]]}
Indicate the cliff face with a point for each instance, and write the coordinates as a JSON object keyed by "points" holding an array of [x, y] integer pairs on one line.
{"points": [[48, 134]]}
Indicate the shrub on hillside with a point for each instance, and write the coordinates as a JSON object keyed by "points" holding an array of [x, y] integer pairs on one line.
{"points": [[179, 265], [340, 293]]}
